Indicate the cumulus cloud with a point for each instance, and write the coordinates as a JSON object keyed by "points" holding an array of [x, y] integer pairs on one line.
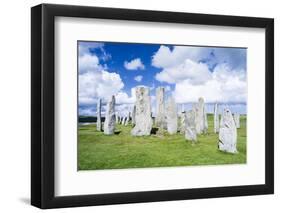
{"points": [[95, 81], [88, 63], [172, 56], [138, 78], [123, 98], [134, 64], [98, 84], [217, 74], [168, 57], [196, 73], [84, 47], [224, 86]]}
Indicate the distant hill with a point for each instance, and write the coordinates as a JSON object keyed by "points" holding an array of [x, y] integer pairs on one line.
{"points": [[86, 119]]}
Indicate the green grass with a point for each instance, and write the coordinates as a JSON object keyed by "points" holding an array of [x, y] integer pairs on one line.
{"points": [[99, 151]]}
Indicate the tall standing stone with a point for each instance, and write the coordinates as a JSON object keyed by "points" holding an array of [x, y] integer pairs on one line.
{"points": [[123, 120], [171, 116], [117, 117], [205, 121], [195, 108], [109, 123], [237, 120], [203, 113], [160, 107], [227, 133], [127, 119], [99, 115], [143, 112], [201, 120], [134, 115], [182, 122], [216, 119], [182, 108], [190, 130]]}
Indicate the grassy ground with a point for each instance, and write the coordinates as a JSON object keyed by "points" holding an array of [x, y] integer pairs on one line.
{"points": [[99, 151]]}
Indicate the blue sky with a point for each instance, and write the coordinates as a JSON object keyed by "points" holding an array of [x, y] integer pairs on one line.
{"points": [[186, 72]]}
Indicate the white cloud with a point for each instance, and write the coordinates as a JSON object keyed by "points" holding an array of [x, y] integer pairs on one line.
{"points": [[166, 57], [96, 82], [224, 86], [88, 62], [124, 98], [182, 66], [85, 46], [138, 78], [196, 73], [134, 64]]}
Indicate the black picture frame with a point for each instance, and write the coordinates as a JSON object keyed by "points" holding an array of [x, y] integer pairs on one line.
{"points": [[43, 111]]}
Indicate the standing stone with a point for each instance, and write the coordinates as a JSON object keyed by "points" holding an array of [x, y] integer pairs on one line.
{"points": [[134, 115], [237, 120], [227, 133], [127, 119], [190, 130], [171, 116], [109, 123], [201, 114], [204, 118], [143, 112], [216, 119], [201, 120], [182, 108], [117, 117], [205, 121], [123, 120], [182, 122], [99, 115], [160, 107], [195, 109]]}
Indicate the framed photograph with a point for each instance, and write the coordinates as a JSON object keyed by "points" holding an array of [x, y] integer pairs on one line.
{"points": [[139, 106]]}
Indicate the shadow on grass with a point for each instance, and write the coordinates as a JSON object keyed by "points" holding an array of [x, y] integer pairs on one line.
{"points": [[117, 132], [154, 130]]}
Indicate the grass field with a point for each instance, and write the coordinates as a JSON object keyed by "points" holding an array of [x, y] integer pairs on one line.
{"points": [[99, 151]]}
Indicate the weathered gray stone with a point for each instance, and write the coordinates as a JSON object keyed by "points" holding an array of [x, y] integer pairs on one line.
{"points": [[134, 115], [216, 119], [182, 122], [205, 118], [127, 119], [123, 120], [195, 109], [143, 112], [171, 116], [182, 108], [237, 120], [190, 130], [227, 133], [205, 121], [160, 107], [201, 120], [117, 117], [109, 123], [99, 115]]}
